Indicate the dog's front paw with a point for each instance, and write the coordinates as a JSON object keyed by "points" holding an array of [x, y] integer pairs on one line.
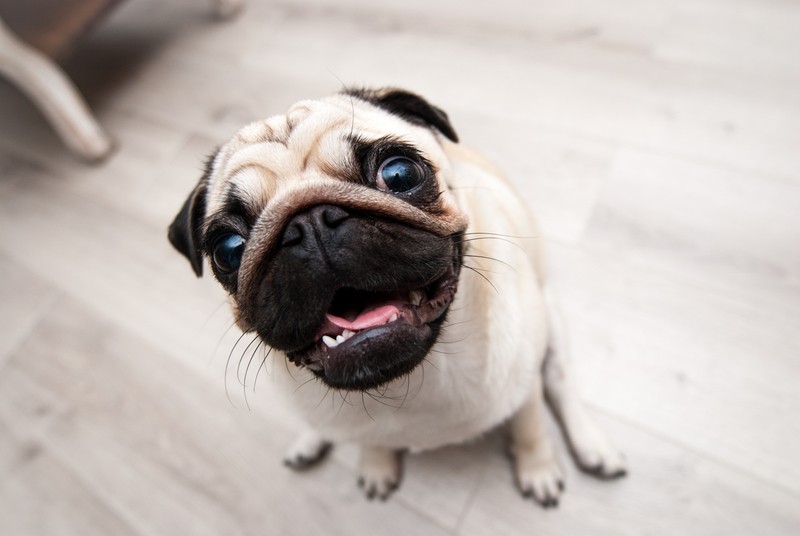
{"points": [[595, 454], [308, 450], [537, 474], [381, 472]]}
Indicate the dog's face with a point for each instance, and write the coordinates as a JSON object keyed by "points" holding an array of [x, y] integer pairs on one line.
{"points": [[335, 233]]}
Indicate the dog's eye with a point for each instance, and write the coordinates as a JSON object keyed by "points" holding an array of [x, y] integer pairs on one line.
{"points": [[399, 174], [228, 251]]}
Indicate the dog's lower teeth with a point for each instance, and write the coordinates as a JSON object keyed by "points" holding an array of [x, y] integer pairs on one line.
{"points": [[331, 342]]}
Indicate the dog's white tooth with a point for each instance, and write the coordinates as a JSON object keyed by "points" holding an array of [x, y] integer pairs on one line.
{"points": [[415, 297], [347, 334], [329, 341], [340, 339], [393, 317]]}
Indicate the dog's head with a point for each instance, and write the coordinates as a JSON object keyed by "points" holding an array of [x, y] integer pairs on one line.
{"points": [[335, 233]]}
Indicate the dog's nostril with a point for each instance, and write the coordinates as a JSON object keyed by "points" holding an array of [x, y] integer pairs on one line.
{"points": [[332, 216], [319, 220], [292, 235]]}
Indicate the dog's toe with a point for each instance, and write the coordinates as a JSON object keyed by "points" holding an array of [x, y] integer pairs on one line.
{"points": [[593, 451], [381, 471], [601, 459], [538, 478], [542, 484], [308, 450], [377, 489]]}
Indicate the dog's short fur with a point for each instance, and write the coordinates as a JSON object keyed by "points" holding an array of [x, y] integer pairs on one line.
{"points": [[359, 216]]}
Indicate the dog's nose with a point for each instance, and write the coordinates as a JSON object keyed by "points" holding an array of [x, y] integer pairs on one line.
{"points": [[316, 223]]}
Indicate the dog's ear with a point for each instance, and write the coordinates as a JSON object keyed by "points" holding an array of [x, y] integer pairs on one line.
{"points": [[184, 232], [409, 106]]}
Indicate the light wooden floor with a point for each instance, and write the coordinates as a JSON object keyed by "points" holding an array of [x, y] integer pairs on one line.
{"points": [[659, 144]]}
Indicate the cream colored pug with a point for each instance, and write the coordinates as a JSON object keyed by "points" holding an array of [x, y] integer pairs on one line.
{"points": [[401, 277]]}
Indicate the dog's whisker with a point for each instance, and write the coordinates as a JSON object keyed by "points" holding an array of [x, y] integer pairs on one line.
{"points": [[324, 396], [488, 258], [364, 404], [408, 389], [341, 406], [262, 365], [465, 337], [442, 352], [448, 342], [457, 341], [250, 362], [386, 388], [344, 90], [422, 373], [304, 384], [500, 238], [461, 323], [380, 401], [247, 371], [477, 271], [431, 363], [219, 341], [227, 364], [213, 314], [502, 235], [489, 235], [344, 401], [241, 358], [244, 383], [383, 395], [352, 116], [289, 369], [486, 271]]}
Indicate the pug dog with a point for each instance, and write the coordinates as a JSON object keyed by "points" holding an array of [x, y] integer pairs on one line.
{"points": [[401, 278]]}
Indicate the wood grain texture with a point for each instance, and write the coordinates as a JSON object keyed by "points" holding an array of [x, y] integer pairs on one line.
{"points": [[656, 141]]}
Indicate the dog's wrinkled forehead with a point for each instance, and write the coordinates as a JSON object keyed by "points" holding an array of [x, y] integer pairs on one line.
{"points": [[314, 141], [323, 152]]}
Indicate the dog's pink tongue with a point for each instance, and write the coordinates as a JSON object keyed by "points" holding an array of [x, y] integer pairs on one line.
{"points": [[368, 319]]}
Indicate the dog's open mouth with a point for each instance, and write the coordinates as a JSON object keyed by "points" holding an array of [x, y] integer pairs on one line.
{"points": [[370, 337]]}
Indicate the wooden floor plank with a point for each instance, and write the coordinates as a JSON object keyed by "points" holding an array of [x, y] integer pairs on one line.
{"points": [[668, 491], [25, 299], [42, 497]]}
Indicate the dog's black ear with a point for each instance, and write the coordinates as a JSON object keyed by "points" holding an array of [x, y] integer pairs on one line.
{"points": [[184, 232], [409, 106]]}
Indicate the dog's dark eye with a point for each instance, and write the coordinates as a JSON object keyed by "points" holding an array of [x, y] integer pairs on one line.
{"points": [[399, 174], [227, 254]]}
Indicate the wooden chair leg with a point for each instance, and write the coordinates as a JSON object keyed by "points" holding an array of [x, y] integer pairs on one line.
{"points": [[54, 94]]}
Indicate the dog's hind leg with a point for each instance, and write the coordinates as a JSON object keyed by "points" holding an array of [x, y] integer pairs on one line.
{"points": [[591, 448]]}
